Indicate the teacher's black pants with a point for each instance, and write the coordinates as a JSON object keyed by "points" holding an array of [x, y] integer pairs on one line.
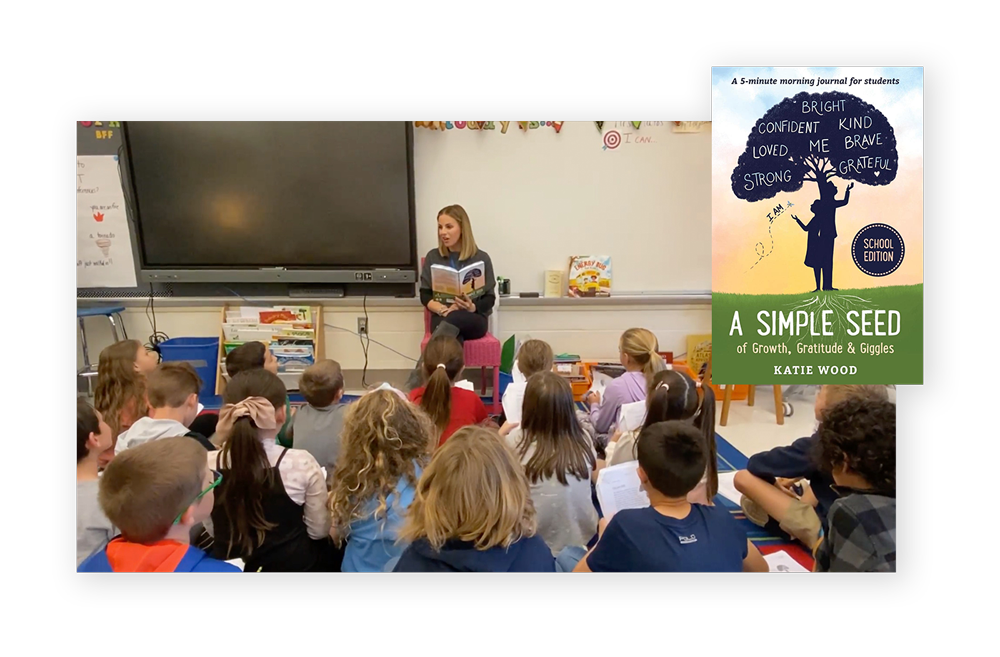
{"points": [[471, 326]]}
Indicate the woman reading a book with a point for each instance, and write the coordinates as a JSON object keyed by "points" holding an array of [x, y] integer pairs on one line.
{"points": [[460, 312]]}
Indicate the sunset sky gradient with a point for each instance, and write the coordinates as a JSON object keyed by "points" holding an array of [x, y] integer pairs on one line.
{"points": [[738, 225]]}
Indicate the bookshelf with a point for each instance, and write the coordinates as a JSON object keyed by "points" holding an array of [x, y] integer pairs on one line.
{"points": [[289, 378]]}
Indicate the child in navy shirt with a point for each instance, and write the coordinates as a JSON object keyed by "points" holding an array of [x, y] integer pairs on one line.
{"points": [[472, 512], [767, 483], [671, 534]]}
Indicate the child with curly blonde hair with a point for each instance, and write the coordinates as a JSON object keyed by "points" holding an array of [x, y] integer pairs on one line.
{"points": [[385, 445]]}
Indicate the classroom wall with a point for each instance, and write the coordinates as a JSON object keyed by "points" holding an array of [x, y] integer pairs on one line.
{"points": [[537, 197], [592, 333]]}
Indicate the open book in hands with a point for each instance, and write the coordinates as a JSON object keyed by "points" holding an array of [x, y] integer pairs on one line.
{"points": [[448, 283], [631, 416], [618, 488]]}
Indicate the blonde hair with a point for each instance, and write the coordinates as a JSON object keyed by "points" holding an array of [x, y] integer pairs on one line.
{"points": [[473, 490], [383, 440], [641, 346], [458, 213], [534, 356]]}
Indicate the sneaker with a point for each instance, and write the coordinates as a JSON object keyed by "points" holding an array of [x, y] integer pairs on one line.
{"points": [[754, 512]]}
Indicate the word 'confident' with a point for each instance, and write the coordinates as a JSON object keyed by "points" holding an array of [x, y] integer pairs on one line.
{"points": [[795, 322]]}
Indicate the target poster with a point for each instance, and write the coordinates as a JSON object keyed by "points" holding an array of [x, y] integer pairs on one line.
{"points": [[817, 225]]}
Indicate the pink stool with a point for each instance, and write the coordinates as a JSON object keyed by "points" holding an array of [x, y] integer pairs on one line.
{"points": [[482, 353]]}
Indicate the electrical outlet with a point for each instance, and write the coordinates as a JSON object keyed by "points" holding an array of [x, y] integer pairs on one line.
{"points": [[362, 325]]}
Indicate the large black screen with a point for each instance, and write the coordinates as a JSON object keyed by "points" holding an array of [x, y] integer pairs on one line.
{"points": [[273, 194]]}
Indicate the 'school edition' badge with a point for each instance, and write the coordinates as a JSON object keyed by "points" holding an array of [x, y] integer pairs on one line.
{"points": [[817, 225]]}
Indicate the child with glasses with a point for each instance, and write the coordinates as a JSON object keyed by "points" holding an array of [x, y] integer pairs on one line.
{"points": [[270, 510], [155, 493]]}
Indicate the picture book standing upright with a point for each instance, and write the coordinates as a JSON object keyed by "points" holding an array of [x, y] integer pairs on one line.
{"points": [[590, 276]]}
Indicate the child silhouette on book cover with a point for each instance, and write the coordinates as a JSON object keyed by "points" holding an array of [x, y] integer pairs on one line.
{"points": [[822, 230]]}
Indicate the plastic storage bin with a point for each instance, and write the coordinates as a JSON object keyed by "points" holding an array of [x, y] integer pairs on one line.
{"points": [[201, 353], [740, 392], [505, 380]]}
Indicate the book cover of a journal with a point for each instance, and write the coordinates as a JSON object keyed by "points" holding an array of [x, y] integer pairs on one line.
{"points": [[817, 225]]}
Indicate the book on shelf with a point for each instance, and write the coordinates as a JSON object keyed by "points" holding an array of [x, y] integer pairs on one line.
{"points": [[287, 331], [590, 276]]}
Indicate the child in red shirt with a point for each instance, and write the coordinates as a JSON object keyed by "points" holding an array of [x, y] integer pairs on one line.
{"points": [[450, 408]]}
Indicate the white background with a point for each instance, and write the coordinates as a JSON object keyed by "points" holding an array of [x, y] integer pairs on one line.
{"points": [[23, 89]]}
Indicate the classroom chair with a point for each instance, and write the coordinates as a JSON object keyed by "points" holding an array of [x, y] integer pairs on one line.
{"points": [[727, 398], [85, 375], [481, 353], [484, 352]]}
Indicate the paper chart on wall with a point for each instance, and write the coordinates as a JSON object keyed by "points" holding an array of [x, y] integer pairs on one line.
{"points": [[103, 238]]}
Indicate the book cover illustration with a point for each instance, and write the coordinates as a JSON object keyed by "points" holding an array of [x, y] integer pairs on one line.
{"points": [[448, 283], [817, 225], [699, 350], [590, 276]]}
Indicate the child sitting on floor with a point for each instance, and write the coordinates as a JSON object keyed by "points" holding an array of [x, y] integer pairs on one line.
{"points": [[450, 408], [385, 445], [671, 534], [473, 512], [318, 424], [256, 355], [533, 356], [558, 458], [857, 446], [768, 484], [172, 392], [271, 507], [155, 493], [93, 436], [638, 353], [674, 395], [120, 389]]}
